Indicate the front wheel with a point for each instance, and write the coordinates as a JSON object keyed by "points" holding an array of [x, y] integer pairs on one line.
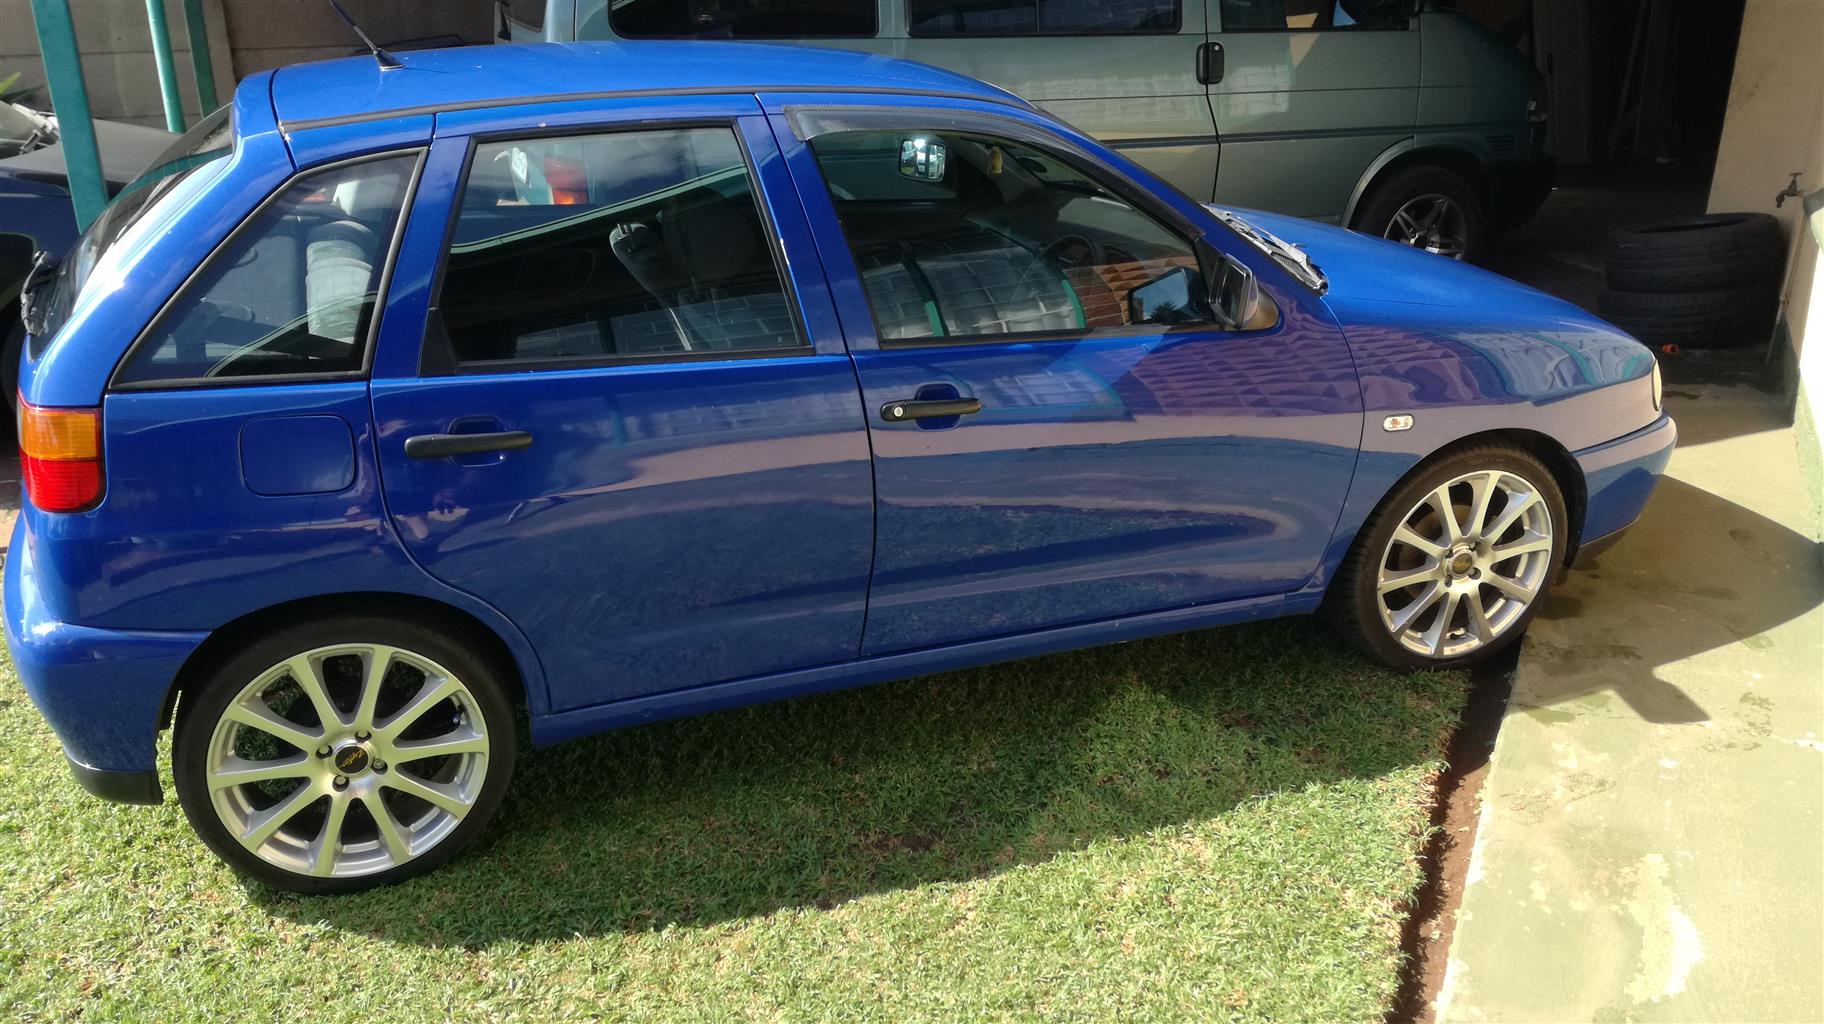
{"points": [[1455, 563], [343, 755]]}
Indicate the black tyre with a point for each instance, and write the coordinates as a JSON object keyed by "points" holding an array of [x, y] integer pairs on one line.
{"points": [[1717, 318], [1426, 207], [1420, 590], [1695, 253], [344, 754]]}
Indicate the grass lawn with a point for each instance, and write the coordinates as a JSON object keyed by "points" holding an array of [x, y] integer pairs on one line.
{"points": [[1216, 826]]}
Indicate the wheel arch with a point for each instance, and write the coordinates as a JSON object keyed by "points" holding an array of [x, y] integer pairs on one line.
{"points": [[1471, 166], [468, 628]]}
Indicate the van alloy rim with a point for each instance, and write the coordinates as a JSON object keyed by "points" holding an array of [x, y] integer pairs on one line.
{"points": [[347, 760], [1464, 564], [1432, 222]]}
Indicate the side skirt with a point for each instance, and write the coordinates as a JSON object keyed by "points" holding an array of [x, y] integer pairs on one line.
{"points": [[566, 725]]}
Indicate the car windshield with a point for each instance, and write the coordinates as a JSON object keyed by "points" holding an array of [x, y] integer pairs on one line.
{"points": [[21, 131], [208, 141]]}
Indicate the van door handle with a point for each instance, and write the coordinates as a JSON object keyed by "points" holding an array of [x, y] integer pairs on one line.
{"points": [[919, 409], [439, 446], [1210, 61]]}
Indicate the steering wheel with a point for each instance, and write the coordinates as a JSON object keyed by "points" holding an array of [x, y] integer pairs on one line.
{"points": [[1072, 250]]}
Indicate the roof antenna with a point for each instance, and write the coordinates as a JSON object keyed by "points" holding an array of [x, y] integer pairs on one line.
{"points": [[386, 60]]}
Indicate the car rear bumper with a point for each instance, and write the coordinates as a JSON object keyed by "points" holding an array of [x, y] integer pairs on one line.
{"points": [[1619, 477], [102, 690]]}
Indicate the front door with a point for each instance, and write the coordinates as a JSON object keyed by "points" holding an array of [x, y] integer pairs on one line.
{"points": [[1312, 91], [629, 428], [1061, 432]]}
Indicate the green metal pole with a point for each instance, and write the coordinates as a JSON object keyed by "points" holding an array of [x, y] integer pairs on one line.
{"points": [[70, 102], [199, 55], [167, 74]]}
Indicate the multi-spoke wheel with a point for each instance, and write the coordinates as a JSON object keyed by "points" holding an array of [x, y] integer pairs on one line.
{"points": [[1427, 207], [344, 755], [1456, 561]]}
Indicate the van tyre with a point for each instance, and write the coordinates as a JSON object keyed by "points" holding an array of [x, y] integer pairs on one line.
{"points": [[1455, 562], [1695, 253], [344, 754], [1715, 318], [1427, 207]]}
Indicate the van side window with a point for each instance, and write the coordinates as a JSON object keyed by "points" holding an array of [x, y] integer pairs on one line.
{"points": [[775, 19], [1041, 17], [1280, 15], [634, 244], [969, 237], [292, 291]]}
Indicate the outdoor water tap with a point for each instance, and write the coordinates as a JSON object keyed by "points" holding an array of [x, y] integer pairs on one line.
{"points": [[1790, 192]]}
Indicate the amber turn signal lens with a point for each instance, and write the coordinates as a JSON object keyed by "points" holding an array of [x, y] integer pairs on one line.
{"points": [[60, 457]]}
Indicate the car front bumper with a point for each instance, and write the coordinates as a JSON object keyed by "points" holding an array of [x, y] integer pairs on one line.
{"points": [[1619, 477], [103, 691]]}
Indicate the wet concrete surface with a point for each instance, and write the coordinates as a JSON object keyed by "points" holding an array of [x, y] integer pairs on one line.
{"points": [[1650, 841]]}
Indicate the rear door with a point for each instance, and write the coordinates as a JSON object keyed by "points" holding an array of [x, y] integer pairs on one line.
{"points": [[607, 408], [1311, 92]]}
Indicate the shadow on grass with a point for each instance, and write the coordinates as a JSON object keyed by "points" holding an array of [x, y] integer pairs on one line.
{"points": [[809, 803]]}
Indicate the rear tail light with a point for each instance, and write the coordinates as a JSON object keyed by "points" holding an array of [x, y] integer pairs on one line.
{"points": [[569, 185], [60, 456]]}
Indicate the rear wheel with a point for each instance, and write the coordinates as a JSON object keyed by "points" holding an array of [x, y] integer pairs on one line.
{"points": [[1455, 563], [344, 755]]}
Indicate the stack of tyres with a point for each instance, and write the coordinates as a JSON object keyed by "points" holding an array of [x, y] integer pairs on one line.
{"points": [[1704, 281]]}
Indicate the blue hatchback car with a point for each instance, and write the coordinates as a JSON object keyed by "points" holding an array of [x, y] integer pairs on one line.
{"points": [[621, 382]]}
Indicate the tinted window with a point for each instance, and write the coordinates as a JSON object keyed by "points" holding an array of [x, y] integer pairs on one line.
{"points": [[742, 19], [1041, 17], [1005, 240], [1257, 15], [629, 244], [293, 291]]}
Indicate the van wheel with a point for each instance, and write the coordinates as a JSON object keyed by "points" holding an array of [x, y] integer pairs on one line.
{"points": [[1426, 207], [344, 755], [1456, 561]]}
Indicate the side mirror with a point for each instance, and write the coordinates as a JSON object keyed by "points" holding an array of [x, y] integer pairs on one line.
{"points": [[1235, 294], [1170, 298]]}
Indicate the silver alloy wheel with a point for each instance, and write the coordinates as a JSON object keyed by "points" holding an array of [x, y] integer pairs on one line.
{"points": [[1465, 563], [1432, 222], [347, 760]]}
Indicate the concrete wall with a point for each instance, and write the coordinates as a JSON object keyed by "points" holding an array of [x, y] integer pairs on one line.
{"points": [[1775, 126], [244, 36]]}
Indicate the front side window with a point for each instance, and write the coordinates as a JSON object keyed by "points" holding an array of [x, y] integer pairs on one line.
{"points": [[1041, 17], [742, 19], [292, 291], [959, 235], [631, 244], [1270, 15]]}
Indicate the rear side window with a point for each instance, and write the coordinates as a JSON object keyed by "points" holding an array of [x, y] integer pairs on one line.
{"points": [[1280, 15], [635, 244], [742, 19], [292, 291], [1041, 17]]}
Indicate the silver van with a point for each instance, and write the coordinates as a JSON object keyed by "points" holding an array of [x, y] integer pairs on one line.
{"points": [[1400, 118]]}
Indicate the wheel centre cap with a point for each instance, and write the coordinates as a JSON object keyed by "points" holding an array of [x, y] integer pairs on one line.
{"points": [[352, 760], [1462, 562]]}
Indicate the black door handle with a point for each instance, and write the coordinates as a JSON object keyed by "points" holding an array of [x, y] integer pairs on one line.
{"points": [[437, 446], [1210, 61], [920, 408]]}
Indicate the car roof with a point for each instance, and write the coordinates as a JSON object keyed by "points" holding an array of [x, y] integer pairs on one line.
{"points": [[356, 88]]}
